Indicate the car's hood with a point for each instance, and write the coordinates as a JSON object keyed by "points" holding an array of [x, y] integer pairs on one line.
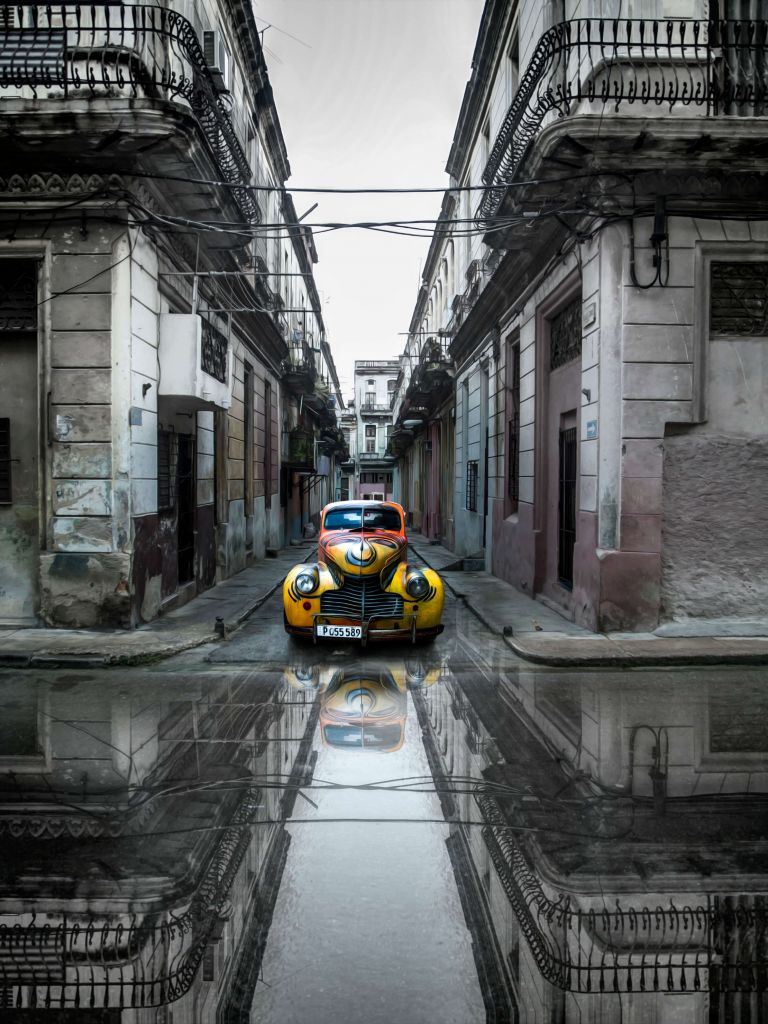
{"points": [[363, 553]]}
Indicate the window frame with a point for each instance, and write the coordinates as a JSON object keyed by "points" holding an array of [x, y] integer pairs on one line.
{"points": [[706, 253]]}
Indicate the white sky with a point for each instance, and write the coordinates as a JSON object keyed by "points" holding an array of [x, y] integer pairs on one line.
{"points": [[372, 100]]}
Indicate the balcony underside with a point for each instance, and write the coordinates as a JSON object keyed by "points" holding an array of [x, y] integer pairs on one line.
{"points": [[119, 135], [619, 158]]}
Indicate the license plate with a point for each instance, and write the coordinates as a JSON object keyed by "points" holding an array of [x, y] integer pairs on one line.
{"points": [[340, 632]]}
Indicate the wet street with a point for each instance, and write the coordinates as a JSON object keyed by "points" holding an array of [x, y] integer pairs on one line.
{"points": [[261, 830]]}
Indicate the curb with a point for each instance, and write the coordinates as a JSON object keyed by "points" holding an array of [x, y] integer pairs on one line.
{"points": [[611, 659], [82, 659]]}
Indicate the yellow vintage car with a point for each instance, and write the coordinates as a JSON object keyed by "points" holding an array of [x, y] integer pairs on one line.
{"points": [[361, 587]]}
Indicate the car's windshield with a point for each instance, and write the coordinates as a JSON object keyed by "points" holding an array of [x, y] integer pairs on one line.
{"points": [[382, 518]]}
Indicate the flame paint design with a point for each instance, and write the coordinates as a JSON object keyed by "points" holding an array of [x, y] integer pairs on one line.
{"points": [[365, 554]]}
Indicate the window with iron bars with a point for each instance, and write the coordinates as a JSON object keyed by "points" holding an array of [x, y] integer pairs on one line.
{"points": [[739, 299], [166, 470], [471, 496], [513, 426]]}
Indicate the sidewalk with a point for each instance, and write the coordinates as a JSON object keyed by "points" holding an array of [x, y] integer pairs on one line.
{"points": [[537, 633], [190, 626]]}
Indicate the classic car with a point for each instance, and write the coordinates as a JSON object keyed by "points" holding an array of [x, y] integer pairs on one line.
{"points": [[362, 586]]}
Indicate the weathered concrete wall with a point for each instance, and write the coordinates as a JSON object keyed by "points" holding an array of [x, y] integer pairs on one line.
{"points": [[715, 542], [83, 590], [85, 573]]}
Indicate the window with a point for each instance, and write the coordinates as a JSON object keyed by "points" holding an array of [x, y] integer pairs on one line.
{"points": [[209, 971], [739, 299], [356, 519], [18, 295], [513, 68], [371, 383], [268, 489], [370, 437], [471, 497], [565, 335], [248, 431], [166, 470], [485, 144], [513, 425], [6, 491]]}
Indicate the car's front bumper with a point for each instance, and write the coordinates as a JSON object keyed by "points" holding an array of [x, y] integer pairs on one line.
{"points": [[373, 630]]}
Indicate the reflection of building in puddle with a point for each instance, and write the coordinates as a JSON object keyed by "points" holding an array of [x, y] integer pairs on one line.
{"points": [[612, 846], [364, 705], [143, 839]]}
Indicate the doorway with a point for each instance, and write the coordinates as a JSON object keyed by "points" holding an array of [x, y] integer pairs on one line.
{"points": [[19, 443], [566, 505], [185, 526]]}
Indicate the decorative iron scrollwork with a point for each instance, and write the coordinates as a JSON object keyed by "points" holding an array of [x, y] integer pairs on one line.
{"points": [[137, 49], [565, 335], [739, 299], [213, 355], [717, 65]]}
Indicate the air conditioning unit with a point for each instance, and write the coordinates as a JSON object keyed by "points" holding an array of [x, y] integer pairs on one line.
{"points": [[195, 362], [217, 58]]}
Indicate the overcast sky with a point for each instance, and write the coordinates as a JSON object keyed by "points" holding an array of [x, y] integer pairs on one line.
{"points": [[369, 97]]}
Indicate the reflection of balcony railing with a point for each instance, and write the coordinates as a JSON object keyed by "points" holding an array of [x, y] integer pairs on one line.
{"points": [[141, 960], [719, 66], [103, 49], [717, 944]]}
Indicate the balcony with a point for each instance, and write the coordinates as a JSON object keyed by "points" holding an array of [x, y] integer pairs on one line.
{"points": [[301, 450], [629, 67], [299, 370], [373, 409], [368, 457], [140, 57]]}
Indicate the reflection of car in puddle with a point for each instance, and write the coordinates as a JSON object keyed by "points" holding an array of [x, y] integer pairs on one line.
{"points": [[363, 706]]}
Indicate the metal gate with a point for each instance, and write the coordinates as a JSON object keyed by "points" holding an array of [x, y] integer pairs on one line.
{"points": [[566, 532]]}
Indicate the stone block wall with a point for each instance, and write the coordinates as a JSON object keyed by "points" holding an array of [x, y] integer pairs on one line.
{"points": [[85, 571]]}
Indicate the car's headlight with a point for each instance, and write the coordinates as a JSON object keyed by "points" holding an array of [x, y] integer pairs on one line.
{"points": [[306, 582], [417, 585]]}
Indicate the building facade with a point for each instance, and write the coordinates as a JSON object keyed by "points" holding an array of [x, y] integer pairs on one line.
{"points": [[605, 322], [374, 387], [153, 319]]}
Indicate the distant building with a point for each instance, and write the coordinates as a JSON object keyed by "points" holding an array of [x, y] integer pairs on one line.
{"points": [[374, 389], [347, 467]]}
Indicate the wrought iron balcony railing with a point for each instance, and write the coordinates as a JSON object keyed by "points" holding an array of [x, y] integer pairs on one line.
{"points": [[372, 408], [111, 49], [587, 65]]}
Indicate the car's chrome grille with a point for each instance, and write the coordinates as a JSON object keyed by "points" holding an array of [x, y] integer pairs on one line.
{"points": [[361, 598]]}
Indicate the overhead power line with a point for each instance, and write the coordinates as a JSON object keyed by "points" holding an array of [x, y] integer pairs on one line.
{"points": [[374, 190]]}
